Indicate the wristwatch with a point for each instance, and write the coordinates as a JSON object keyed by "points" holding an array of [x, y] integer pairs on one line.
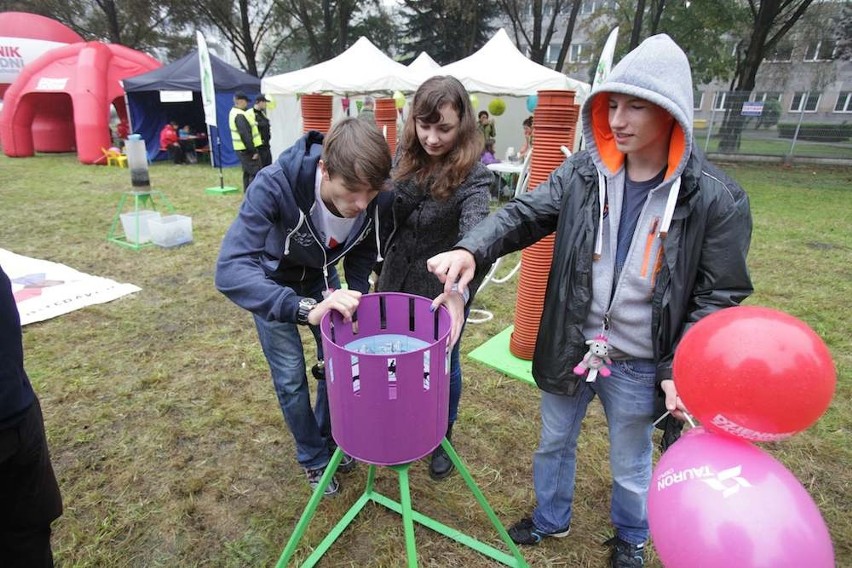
{"points": [[305, 307]]}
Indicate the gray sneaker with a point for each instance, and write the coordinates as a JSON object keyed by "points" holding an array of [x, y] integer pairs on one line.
{"points": [[315, 475], [347, 464]]}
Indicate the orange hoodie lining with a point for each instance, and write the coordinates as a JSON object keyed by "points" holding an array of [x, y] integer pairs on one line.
{"points": [[611, 157]]}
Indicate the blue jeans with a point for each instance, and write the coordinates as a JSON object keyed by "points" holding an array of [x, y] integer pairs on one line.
{"points": [[311, 428], [282, 346], [455, 382], [627, 396]]}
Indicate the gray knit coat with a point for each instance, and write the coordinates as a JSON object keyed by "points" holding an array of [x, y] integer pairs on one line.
{"points": [[424, 227]]}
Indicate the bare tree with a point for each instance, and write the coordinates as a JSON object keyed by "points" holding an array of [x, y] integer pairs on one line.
{"points": [[770, 21], [247, 26], [138, 24], [534, 23]]}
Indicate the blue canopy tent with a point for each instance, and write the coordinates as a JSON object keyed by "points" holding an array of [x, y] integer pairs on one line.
{"points": [[148, 114]]}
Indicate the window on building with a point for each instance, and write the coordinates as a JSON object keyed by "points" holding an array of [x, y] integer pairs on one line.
{"points": [[765, 96], [844, 102], [588, 7], [782, 52], [552, 53], [580, 53], [822, 50], [697, 100], [804, 102], [719, 100]]}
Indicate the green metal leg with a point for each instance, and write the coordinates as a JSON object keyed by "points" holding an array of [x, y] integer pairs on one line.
{"points": [[409, 517], [454, 457], [308, 514]]}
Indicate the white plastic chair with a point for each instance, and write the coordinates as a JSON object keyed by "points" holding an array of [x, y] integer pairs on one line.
{"points": [[524, 176]]}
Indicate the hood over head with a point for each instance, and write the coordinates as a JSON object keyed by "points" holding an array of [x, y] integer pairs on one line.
{"points": [[657, 71]]}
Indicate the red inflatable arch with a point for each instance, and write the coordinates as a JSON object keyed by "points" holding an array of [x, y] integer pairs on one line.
{"points": [[72, 86], [25, 37]]}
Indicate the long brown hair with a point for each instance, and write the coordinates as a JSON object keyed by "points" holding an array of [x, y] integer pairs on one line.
{"points": [[448, 173]]}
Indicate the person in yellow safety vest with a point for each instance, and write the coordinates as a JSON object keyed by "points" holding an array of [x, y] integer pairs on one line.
{"points": [[245, 137]]}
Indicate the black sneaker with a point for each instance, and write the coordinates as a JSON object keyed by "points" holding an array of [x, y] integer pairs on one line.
{"points": [[314, 476], [525, 532], [440, 466], [624, 554]]}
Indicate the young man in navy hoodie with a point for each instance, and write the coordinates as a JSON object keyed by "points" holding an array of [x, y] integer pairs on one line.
{"points": [[29, 494], [319, 203], [650, 238]]}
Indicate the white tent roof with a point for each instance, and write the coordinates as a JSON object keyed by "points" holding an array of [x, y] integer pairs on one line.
{"points": [[498, 68], [361, 69], [425, 66]]}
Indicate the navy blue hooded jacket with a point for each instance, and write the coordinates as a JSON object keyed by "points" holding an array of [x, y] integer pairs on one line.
{"points": [[272, 254]]}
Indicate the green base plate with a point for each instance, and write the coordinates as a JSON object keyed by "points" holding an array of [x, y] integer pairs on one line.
{"points": [[222, 190], [495, 353]]}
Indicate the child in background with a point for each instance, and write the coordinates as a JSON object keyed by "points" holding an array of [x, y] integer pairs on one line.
{"points": [[488, 156]]}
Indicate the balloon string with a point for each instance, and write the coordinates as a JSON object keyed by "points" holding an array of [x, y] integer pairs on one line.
{"points": [[667, 413]]}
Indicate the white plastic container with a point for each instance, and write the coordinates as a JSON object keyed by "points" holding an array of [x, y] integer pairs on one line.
{"points": [[136, 225], [171, 230]]}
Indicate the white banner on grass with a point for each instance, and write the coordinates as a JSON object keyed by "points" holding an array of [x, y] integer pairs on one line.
{"points": [[45, 289]]}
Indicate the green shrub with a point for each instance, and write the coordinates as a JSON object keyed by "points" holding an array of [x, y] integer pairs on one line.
{"points": [[816, 131]]}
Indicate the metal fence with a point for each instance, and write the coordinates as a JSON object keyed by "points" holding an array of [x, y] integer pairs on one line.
{"points": [[750, 128]]}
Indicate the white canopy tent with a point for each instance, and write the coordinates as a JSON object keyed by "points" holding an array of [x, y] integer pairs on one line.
{"points": [[424, 66], [362, 69], [498, 68]]}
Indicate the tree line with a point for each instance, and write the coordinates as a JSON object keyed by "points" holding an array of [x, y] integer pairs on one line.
{"points": [[725, 39]]}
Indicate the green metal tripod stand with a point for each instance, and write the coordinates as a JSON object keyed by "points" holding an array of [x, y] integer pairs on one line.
{"points": [[409, 516]]}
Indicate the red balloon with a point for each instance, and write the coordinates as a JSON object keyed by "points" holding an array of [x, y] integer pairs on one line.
{"points": [[755, 373]]}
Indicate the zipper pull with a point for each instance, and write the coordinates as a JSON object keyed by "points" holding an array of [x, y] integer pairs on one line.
{"points": [[606, 322]]}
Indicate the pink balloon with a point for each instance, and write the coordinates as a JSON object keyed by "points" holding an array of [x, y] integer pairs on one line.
{"points": [[717, 501]]}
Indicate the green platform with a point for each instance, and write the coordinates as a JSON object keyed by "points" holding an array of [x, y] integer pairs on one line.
{"points": [[409, 516], [495, 353], [221, 190]]}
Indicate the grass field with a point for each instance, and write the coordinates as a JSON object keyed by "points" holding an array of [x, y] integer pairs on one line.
{"points": [[767, 143], [169, 444]]}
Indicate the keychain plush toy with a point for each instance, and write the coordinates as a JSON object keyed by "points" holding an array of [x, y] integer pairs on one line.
{"points": [[595, 360]]}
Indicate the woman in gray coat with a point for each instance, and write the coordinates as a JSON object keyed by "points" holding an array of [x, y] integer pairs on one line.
{"points": [[441, 192]]}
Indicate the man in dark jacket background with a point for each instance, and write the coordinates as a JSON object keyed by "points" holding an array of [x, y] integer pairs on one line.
{"points": [[29, 494], [259, 113], [650, 238], [245, 138], [318, 204]]}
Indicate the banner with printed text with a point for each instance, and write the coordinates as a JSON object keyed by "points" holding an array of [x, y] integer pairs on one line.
{"points": [[45, 289]]}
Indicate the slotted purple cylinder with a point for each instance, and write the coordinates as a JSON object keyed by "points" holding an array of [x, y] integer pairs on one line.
{"points": [[388, 409]]}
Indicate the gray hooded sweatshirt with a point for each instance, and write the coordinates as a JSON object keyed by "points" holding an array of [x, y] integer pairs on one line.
{"points": [[657, 71]]}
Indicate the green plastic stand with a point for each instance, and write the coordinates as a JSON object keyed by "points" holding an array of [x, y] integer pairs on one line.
{"points": [[409, 516], [221, 190], [141, 200]]}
